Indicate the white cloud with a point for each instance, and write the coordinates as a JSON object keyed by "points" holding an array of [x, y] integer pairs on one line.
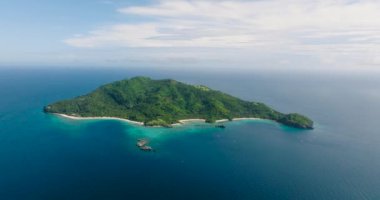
{"points": [[331, 29]]}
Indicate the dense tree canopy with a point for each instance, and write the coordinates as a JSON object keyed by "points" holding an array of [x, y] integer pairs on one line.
{"points": [[163, 102]]}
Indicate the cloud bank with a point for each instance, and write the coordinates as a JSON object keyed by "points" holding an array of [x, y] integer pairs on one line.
{"points": [[334, 31]]}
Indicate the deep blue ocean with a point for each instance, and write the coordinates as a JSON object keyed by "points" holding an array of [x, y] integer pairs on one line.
{"points": [[47, 157]]}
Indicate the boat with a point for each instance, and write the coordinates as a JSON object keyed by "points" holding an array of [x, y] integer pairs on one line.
{"points": [[220, 126], [142, 144]]}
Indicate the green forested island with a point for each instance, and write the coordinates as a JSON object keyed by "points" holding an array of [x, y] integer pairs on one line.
{"points": [[164, 102]]}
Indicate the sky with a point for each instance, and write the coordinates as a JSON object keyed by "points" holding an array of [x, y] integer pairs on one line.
{"points": [[212, 34]]}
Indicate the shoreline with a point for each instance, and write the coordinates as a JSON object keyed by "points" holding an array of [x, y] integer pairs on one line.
{"points": [[97, 118], [180, 122]]}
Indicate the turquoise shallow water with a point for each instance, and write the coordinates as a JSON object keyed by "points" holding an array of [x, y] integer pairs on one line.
{"points": [[47, 157]]}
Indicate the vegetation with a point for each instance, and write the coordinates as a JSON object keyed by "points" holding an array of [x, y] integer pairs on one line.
{"points": [[164, 102], [296, 120], [157, 122]]}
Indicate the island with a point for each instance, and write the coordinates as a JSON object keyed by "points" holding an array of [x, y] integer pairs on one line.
{"points": [[166, 102]]}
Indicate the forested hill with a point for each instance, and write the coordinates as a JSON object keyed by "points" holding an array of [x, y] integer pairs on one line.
{"points": [[164, 102]]}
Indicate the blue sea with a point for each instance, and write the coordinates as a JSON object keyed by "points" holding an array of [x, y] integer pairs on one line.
{"points": [[44, 156]]}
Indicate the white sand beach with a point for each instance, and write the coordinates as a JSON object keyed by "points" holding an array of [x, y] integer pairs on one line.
{"points": [[246, 118], [182, 121], [89, 118]]}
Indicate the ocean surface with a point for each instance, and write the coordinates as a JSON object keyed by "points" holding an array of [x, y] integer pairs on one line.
{"points": [[44, 156]]}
